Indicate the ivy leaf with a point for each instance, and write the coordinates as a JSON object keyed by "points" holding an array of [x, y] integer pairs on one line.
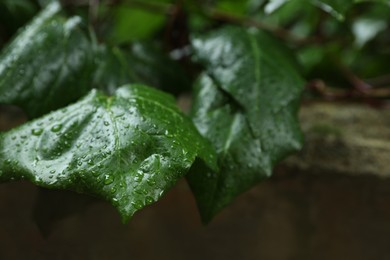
{"points": [[48, 65], [142, 63], [155, 68], [245, 103], [112, 69], [127, 149]]}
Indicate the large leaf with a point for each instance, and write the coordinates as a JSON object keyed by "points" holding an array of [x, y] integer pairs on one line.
{"points": [[127, 149], [47, 65], [245, 103]]}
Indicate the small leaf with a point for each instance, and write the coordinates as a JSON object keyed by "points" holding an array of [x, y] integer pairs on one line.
{"points": [[155, 68], [48, 65], [142, 63], [112, 69], [338, 8], [245, 103], [127, 149], [274, 5]]}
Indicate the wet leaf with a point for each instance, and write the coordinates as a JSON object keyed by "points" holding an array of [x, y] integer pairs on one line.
{"points": [[245, 103], [338, 8], [127, 149], [48, 65]]}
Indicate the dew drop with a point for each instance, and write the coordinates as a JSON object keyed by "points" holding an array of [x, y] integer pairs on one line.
{"points": [[151, 182], [108, 179], [56, 128], [37, 131], [149, 200], [106, 123], [137, 204]]}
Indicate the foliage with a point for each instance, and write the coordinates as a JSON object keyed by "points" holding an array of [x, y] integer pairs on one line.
{"points": [[91, 76]]}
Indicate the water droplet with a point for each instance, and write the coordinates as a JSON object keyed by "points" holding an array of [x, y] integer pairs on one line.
{"points": [[106, 123], [139, 176], [113, 190], [53, 171], [151, 182], [108, 179], [37, 131], [137, 204], [149, 200], [56, 128]]}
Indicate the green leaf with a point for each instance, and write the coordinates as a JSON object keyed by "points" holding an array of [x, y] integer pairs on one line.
{"points": [[142, 63], [338, 8], [274, 5], [155, 68], [48, 65], [127, 149], [113, 69], [245, 103], [15, 13]]}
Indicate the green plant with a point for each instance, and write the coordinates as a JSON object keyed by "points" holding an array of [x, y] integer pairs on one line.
{"points": [[96, 128]]}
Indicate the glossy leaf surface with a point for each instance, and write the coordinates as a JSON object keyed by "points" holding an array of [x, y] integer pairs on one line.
{"points": [[127, 149], [48, 65], [246, 103]]}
